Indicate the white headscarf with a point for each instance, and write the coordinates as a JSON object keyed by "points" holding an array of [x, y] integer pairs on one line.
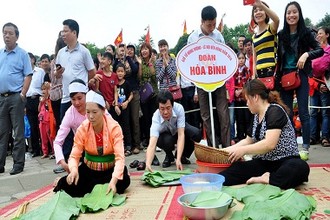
{"points": [[77, 87], [95, 97]]}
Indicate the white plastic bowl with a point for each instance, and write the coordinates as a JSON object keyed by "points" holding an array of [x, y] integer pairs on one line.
{"points": [[202, 182], [205, 213]]}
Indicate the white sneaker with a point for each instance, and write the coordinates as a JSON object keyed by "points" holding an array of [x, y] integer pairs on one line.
{"points": [[158, 149]]}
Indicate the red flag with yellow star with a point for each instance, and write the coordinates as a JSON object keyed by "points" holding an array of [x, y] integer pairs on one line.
{"points": [[119, 38], [147, 39]]}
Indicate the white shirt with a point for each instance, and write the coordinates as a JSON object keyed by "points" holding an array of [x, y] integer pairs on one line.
{"points": [[159, 125], [77, 63], [37, 80], [196, 34]]}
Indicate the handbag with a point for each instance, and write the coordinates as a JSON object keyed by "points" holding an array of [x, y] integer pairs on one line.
{"points": [[55, 92], [176, 92], [291, 80], [269, 82], [146, 92]]}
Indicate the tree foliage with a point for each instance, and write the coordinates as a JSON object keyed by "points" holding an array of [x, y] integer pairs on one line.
{"points": [[181, 43], [308, 22], [325, 22], [93, 49]]}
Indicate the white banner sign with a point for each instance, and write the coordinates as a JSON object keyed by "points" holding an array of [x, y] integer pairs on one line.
{"points": [[207, 63]]}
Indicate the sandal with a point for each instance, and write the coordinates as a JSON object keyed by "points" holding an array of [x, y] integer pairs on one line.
{"points": [[128, 153], [141, 166], [325, 142], [134, 164], [136, 151]]}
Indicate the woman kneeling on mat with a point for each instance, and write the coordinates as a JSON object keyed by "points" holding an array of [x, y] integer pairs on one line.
{"points": [[101, 138], [272, 142]]}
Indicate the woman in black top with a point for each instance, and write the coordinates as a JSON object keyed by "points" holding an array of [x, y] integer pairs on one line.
{"points": [[297, 46], [272, 142]]}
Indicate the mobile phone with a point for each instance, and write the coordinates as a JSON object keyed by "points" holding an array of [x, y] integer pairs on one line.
{"points": [[58, 66], [248, 2]]}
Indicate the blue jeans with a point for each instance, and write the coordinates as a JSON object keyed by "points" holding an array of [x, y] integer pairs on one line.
{"points": [[232, 120], [302, 99], [323, 100]]}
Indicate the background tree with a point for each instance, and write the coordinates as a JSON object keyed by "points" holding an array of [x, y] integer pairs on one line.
{"points": [[181, 43], [93, 49], [325, 22], [308, 23]]}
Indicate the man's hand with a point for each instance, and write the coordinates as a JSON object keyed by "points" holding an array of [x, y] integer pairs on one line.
{"points": [[178, 164], [65, 166], [148, 168]]}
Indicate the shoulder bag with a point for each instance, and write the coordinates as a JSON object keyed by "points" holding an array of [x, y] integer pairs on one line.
{"points": [[291, 80]]}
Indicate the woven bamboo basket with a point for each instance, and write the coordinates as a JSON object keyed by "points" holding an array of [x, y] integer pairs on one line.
{"points": [[210, 154]]}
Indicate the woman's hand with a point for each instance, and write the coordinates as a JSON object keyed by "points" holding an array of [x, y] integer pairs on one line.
{"points": [[323, 88], [235, 153], [302, 60], [73, 177], [238, 92], [257, 3], [112, 186], [117, 109], [124, 105]]}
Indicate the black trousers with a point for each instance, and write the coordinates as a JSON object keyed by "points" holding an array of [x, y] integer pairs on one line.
{"points": [[32, 115], [124, 122], [166, 141], [285, 173], [88, 178]]}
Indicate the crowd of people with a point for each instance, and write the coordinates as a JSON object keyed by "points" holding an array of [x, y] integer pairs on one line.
{"points": [[93, 110]]}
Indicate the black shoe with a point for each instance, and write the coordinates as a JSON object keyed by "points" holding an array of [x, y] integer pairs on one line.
{"points": [[2, 170], [155, 161], [184, 160], [15, 171], [167, 161], [313, 142]]}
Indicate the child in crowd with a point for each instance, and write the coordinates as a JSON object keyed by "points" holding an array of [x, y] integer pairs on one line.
{"points": [[124, 95], [27, 132], [108, 85], [47, 124], [243, 115], [230, 86]]}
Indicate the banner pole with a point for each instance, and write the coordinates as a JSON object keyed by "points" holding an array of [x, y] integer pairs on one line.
{"points": [[211, 119]]}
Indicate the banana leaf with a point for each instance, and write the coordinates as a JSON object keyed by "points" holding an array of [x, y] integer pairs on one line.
{"points": [[253, 192], [210, 199], [60, 207], [158, 178], [288, 204], [98, 200]]}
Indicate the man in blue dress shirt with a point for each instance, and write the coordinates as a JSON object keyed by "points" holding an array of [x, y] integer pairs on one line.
{"points": [[15, 78]]}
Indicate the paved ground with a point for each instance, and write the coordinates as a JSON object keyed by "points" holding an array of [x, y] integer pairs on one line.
{"points": [[38, 173]]}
